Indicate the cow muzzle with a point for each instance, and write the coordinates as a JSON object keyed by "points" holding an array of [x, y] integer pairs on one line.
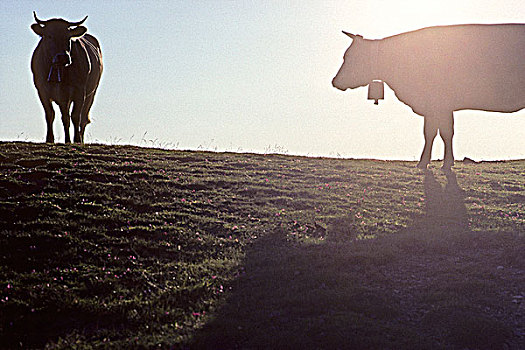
{"points": [[336, 83]]}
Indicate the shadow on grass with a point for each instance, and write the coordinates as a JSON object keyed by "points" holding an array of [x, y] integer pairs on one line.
{"points": [[436, 284], [444, 206]]}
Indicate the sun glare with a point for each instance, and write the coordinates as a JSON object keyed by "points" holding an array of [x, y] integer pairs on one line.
{"points": [[393, 17]]}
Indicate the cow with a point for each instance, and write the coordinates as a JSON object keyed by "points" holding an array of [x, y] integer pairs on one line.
{"points": [[442, 69], [66, 66]]}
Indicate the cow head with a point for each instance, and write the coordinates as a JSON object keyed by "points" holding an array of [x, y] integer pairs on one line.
{"points": [[355, 71], [56, 37]]}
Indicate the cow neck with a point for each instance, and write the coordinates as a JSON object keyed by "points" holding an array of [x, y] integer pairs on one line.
{"points": [[376, 61], [55, 73]]}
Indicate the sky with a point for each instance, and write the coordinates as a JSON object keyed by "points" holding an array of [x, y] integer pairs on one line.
{"points": [[246, 76]]}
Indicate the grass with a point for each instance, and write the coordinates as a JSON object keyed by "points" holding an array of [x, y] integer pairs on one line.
{"points": [[129, 247]]}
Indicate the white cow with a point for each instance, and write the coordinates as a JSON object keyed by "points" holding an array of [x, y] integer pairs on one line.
{"points": [[439, 70]]}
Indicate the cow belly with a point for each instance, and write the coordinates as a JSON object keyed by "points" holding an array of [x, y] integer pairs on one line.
{"points": [[61, 95], [508, 108], [505, 93]]}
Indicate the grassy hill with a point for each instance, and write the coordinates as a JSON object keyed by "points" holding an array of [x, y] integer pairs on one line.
{"points": [[131, 247]]}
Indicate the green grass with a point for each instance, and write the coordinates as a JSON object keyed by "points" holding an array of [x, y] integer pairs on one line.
{"points": [[130, 247]]}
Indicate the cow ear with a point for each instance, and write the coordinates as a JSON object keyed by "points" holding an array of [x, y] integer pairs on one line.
{"points": [[77, 32], [37, 28]]}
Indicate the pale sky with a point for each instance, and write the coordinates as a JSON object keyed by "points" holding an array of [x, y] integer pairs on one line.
{"points": [[246, 76]]}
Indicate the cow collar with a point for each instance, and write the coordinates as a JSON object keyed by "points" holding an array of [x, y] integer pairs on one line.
{"points": [[56, 74]]}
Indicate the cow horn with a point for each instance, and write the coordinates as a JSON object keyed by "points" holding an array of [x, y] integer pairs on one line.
{"points": [[353, 36], [74, 24], [42, 23]]}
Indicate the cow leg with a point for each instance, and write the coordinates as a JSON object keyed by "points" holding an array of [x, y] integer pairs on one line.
{"points": [[446, 131], [64, 109], [84, 117], [75, 117], [50, 117], [430, 132]]}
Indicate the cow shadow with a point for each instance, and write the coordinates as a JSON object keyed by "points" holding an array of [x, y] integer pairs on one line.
{"points": [[410, 288], [444, 205]]}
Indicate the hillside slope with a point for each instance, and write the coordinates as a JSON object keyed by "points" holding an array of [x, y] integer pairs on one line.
{"points": [[134, 247]]}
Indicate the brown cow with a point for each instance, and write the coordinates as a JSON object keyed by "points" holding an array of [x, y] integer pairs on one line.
{"points": [[66, 66]]}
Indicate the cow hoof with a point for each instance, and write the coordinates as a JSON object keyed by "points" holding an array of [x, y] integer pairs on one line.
{"points": [[422, 165], [447, 167]]}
